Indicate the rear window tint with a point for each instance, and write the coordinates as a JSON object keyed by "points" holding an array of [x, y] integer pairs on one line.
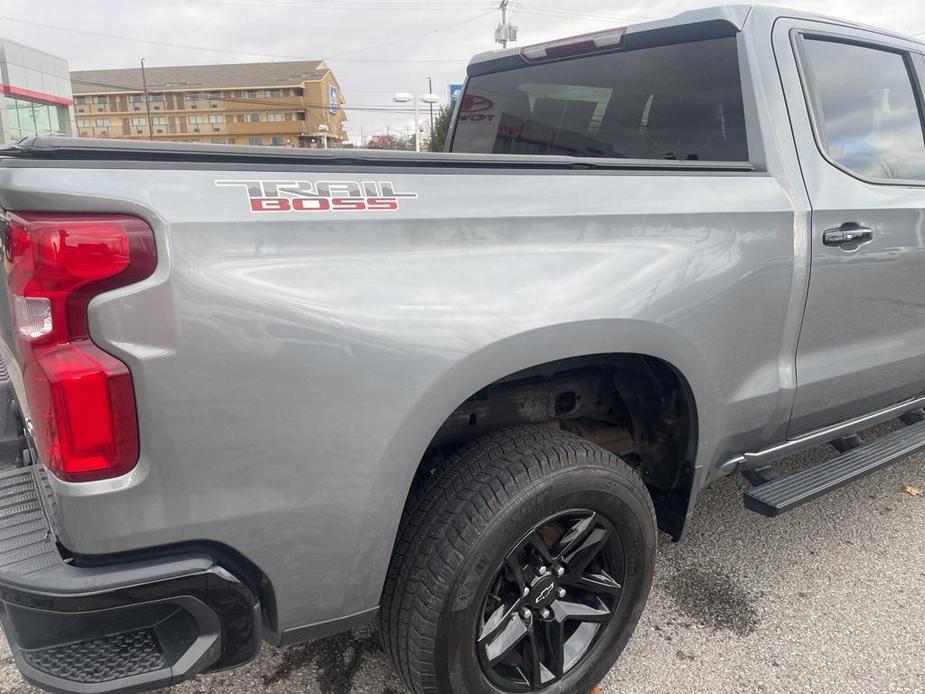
{"points": [[680, 101]]}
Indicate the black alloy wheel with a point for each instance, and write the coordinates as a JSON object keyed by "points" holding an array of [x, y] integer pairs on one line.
{"points": [[523, 563], [549, 601]]}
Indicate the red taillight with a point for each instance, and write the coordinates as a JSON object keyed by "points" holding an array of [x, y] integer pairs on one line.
{"points": [[81, 399]]}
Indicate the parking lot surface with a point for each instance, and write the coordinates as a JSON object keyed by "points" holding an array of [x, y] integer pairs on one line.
{"points": [[828, 598]]}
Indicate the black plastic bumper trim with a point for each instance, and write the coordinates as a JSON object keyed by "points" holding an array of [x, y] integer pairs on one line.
{"points": [[202, 616]]}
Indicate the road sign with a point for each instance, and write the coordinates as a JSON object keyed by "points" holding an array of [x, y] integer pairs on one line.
{"points": [[332, 98], [455, 91]]}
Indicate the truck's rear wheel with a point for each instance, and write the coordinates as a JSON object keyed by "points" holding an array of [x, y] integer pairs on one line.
{"points": [[522, 566]]}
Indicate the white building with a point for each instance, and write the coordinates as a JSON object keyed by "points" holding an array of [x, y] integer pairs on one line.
{"points": [[35, 93]]}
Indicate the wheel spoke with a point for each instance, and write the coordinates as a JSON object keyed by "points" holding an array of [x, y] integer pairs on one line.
{"points": [[581, 544], [503, 637], [532, 665], [535, 540], [517, 571], [555, 647], [565, 610], [598, 582]]}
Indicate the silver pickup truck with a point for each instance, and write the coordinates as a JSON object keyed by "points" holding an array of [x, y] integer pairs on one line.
{"points": [[270, 394]]}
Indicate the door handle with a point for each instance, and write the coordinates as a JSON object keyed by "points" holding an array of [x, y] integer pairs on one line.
{"points": [[848, 236]]}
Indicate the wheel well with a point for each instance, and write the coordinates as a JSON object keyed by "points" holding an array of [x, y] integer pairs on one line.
{"points": [[636, 406]]}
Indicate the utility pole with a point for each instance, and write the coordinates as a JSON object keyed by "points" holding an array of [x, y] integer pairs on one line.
{"points": [[144, 85], [430, 90], [505, 32]]}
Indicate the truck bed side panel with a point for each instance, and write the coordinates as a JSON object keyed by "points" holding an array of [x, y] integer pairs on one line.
{"points": [[291, 367]]}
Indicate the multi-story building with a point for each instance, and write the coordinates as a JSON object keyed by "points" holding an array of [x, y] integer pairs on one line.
{"points": [[297, 104], [35, 93]]}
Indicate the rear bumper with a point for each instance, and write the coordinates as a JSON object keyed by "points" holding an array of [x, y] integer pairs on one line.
{"points": [[129, 626]]}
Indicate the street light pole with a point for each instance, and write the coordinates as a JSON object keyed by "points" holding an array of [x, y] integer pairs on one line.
{"points": [[404, 98], [430, 90], [144, 85], [417, 128]]}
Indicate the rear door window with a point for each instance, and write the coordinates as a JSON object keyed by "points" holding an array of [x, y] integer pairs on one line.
{"points": [[680, 101], [866, 108]]}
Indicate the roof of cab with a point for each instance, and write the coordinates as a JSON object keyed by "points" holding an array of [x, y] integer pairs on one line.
{"points": [[735, 15]]}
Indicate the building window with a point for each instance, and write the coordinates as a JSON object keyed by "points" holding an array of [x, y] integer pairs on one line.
{"points": [[138, 121], [135, 98], [80, 100], [102, 122], [276, 140], [253, 117], [275, 117], [23, 118], [274, 92], [255, 140], [158, 120], [193, 96], [296, 91], [196, 120], [10, 115], [100, 100], [214, 96], [215, 118], [251, 93], [231, 141], [83, 123], [156, 98]]}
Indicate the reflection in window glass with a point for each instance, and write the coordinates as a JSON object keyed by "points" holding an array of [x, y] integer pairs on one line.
{"points": [[55, 119], [867, 109], [21, 118], [42, 119], [679, 101], [26, 117], [10, 116]]}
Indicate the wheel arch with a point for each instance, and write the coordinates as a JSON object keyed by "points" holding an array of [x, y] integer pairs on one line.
{"points": [[496, 361]]}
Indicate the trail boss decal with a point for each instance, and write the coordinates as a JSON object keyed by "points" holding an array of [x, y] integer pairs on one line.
{"points": [[320, 196]]}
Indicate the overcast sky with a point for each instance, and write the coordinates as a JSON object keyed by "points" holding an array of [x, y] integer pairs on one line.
{"points": [[375, 47]]}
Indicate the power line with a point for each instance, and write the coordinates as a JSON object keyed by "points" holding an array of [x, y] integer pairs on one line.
{"points": [[207, 49], [554, 11], [413, 38], [604, 19], [351, 5]]}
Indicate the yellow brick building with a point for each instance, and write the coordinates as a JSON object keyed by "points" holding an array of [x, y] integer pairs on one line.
{"points": [[282, 104]]}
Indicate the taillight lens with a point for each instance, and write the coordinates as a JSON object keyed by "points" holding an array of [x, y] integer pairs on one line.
{"points": [[81, 399]]}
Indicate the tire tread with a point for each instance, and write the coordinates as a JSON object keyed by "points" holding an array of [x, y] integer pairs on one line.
{"points": [[451, 507]]}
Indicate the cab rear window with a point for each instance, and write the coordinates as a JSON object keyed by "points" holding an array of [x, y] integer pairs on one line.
{"points": [[681, 101]]}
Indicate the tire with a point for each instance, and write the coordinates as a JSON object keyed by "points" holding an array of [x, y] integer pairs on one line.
{"points": [[449, 607]]}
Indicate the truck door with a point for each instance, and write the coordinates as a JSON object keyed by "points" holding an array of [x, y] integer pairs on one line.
{"points": [[855, 103]]}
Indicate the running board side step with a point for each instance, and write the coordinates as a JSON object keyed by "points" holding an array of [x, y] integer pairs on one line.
{"points": [[785, 493]]}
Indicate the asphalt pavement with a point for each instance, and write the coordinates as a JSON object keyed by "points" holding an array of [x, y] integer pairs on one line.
{"points": [[827, 598]]}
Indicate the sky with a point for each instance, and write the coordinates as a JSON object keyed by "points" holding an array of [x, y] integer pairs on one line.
{"points": [[375, 47]]}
